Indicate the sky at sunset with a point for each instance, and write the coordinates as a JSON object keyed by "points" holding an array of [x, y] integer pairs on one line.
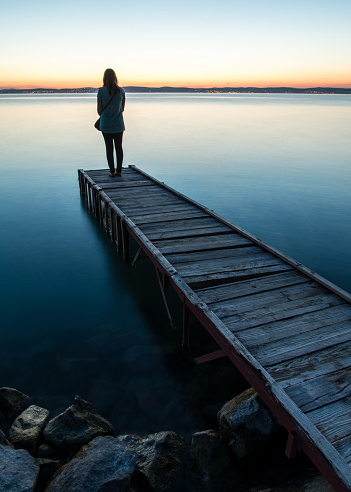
{"points": [[306, 43]]}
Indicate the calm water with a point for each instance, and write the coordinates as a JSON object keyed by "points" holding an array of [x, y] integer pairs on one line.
{"points": [[75, 318]]}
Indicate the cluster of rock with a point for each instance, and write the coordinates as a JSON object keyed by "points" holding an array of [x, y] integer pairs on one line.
{"points": [[78, 450]]}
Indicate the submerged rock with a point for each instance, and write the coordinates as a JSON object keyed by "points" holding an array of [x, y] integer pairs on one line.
{"points": [[78, 425], [12, 403], [247, 424], [103, 465], [160, 460], [210, 466], [27, 428], [18, 470]]}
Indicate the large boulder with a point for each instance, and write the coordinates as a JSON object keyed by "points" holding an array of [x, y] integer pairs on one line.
{"points": [[103, 465], [12, 403], [210, 467], [27, 428], [160, 460], [18, 470], [78, 425], [247, 424]]}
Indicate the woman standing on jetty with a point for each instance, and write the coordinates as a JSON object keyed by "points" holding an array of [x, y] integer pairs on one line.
{"points": [[110, 106]]}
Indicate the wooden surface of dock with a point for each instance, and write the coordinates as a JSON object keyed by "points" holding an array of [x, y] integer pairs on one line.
{"points": [[286, 329]]}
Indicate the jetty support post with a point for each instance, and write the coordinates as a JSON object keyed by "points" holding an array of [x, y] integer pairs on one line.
{"points": [[185, 337], [113, 225], [106, 216], [96, 203], [88, 195], [81, 181], [162, 284], [125, 240], [119, 233]]}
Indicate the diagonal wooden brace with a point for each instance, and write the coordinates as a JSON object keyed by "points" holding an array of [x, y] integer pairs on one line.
{"points": [[136, 256], [218, 354], [293, 444], [164, 297]]}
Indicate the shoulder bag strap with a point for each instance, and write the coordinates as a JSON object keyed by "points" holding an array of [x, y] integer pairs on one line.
{"points": [[107, 103]]}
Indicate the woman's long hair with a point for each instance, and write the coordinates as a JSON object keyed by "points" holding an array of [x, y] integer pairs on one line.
{"points": [[110, 81]]}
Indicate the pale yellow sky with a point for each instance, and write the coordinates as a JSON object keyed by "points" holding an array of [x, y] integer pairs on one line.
{"points": [[196, 44]]}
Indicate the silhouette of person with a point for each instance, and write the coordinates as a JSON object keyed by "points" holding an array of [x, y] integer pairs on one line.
{"points": [[110, 107]]}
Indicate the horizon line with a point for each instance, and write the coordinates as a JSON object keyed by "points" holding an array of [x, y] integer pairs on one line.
{"points": [[222, 88]]}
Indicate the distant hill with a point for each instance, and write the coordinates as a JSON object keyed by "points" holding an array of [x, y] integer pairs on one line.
{"points": [[224, 90]]}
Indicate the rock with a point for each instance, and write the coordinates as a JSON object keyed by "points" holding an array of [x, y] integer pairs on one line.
{"points": [[247, 424], [18, 470], [12, 403], [210, 466], [3, 440], [78, 425], [27, 428], [46, 451], [160, 460], [103, 465]]}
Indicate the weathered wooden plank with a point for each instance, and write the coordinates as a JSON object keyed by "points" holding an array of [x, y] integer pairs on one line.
{"points": [[313, 365], [166, 216], [105, 178], [199, 256], [191, 232], [309, 342], [122, 186], [278, 312], [175, 225], [239, 289], [240, 260], [205, 243], [317, 392], [149, 208], [155, 203], [135, 188], [278, 330], [201, 281], [264, 299], [333, 420], [146, 193]]}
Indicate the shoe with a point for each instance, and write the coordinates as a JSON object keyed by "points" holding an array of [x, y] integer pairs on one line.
{"points": [[118, 174], [112, 175]]}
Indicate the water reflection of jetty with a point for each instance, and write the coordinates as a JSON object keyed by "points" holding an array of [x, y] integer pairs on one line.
{"points": [[286, 329]]}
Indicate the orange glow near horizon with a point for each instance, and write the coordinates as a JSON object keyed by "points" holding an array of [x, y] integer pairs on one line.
{"points": [[66, 83]]}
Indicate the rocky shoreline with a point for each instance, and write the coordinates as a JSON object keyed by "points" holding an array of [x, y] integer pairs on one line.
{"points": [[79, 451]]}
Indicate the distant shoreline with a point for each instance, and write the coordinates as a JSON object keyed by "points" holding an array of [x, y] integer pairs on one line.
{"points": [[213, 90]]}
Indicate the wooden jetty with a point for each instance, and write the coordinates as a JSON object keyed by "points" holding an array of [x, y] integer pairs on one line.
{"points": [[285, 328]]}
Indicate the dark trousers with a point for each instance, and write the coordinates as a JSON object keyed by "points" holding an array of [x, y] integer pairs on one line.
{"points": [[115, 138]]}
